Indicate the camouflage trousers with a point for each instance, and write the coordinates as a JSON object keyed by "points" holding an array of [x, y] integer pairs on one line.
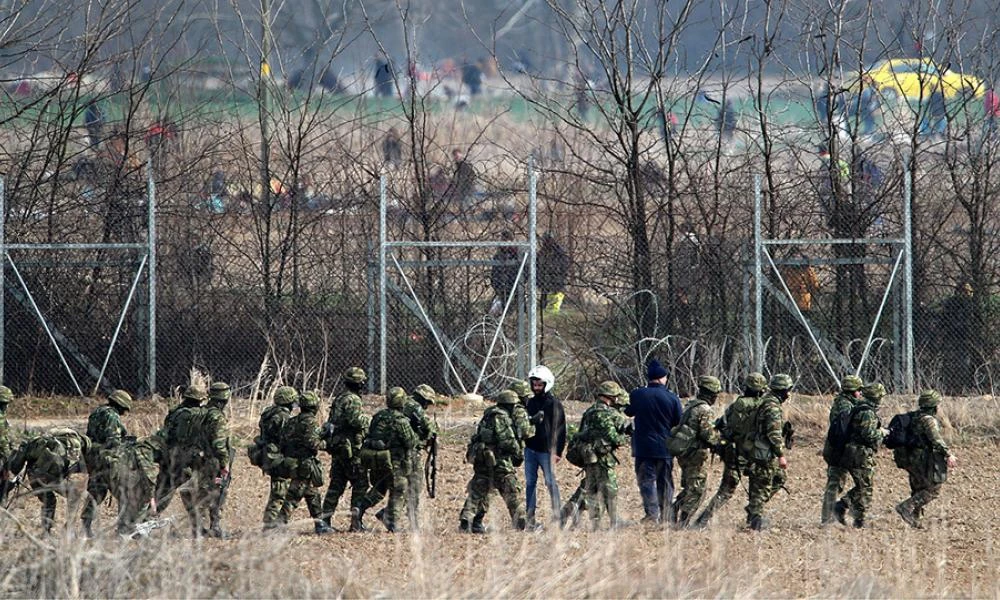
{"points": [[731, 474], [343, 471], [576, 504], [394, 482], [600, 485], [178, 469], [206, 509], [484, 480], [98, 486], [298, 490], [46, 491], [415, 487], [859, 497], [694, 476], [765, 479], [836, 480], [133, 491], [922, 492], [276, 499]]}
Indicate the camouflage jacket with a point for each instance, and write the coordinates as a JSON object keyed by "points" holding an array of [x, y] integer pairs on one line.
{"points": [[927, 430], [495, 432], [271, 422], [419, 422], [769, 422], [300, 437], [523, 428], [6, 446], [390, 430], [182, 425], [105, 428], [698, 416], [349, 420], [215, 434], [138, 462], [866, 428], [603, 428]]}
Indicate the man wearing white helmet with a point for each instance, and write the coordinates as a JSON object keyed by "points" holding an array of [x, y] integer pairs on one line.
{"points": [[549, 440]]}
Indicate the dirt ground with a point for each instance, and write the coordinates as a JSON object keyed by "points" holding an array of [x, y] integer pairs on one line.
{"points": [[954, 556]]}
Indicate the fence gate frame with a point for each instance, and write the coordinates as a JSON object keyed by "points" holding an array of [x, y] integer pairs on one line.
{"points": [[902, 266], [412, 302], [145, 262]]}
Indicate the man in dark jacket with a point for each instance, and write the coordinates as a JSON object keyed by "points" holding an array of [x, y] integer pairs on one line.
{"points": [[656, 410], [545, 448]]}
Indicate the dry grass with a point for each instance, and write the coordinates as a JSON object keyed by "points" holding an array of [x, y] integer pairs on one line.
{"points": [[954, 557]]}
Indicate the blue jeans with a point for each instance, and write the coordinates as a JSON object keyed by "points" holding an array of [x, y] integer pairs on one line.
{"points": [[533, 460], [656, 485]]}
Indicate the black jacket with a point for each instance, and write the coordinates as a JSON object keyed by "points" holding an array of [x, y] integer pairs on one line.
{"points": [[550, 434]]}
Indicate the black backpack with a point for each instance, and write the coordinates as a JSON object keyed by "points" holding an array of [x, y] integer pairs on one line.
{"points": [[840, 430], [900, 435]]}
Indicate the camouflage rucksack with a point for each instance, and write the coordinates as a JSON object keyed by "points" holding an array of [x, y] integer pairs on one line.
{"points": [[739, 423], [683, 440], [186, 428]]}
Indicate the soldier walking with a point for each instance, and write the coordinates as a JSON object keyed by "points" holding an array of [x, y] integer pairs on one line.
{"points": [[926, 459], [493, 450], [133, 480], [48, 460], [415, 410], [603, 429], [214, 474], [106, 433], [690, 443], [767, 462], [300, 443], [345, 431], [272, 422], [836, 474], [175, 469], [386, 454], [865, 435]]}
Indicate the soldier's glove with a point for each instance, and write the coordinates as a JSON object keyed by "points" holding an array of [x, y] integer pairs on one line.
{"points": [[885, 431], [629, 428], [788, 432], [537, 418]]}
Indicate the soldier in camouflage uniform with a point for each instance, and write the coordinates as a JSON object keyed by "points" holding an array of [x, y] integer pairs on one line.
{"points": [[301, 441], [386, 454], [272, 422], [218, 455], [415, 410], [48, 460], [175, 470], [6, 446], [858, 458], [106, 433], [836, 475], [133, 480], [767, 462], [493, 450], [927, 462], [733, 464], [694, 464], [603, 429], [344, 432]]}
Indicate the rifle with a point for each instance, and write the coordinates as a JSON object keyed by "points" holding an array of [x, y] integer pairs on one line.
{"points": [[9, 487], [143, 529], [430, 466], [788, 432], [225, 481]]}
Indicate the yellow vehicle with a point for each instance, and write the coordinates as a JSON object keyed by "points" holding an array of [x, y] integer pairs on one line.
{"points": [[916, 78]]}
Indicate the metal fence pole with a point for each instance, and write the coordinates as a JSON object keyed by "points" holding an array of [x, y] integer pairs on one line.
{"points": [[758, 292], [383, 306], [908, 382], [372, 299], [151, 276], [532, 264]]}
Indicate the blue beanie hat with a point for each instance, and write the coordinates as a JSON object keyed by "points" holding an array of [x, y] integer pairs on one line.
{"points": [[656, 370]]}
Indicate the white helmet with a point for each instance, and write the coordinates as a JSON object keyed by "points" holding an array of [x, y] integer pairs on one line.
{"points": [[542, 373]]}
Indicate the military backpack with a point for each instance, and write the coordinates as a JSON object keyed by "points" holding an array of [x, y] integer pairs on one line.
{"points": [[739, 423], [901, 433], [839, 433]]}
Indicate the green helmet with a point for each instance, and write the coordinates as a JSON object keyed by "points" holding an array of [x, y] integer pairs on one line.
{"points": [[874, 391], [507, 397], [355, 375], [851, 383], [6, 395], [309, 400], [424, 394], [928, 399], [611, 389], [396, 398], [755, 382], [194, 392], [220, 390], [286, 395], [710, 384], [521, 388], [121, 399], [781, 382]]}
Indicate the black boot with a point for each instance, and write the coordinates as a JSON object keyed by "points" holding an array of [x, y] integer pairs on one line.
{"points": [[756, 523], [477, 526], [859, 522], [463, 525], [357, 514], [840, 511]]}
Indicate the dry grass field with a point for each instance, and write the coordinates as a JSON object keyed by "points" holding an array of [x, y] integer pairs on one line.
{"points": [[955, 556]]}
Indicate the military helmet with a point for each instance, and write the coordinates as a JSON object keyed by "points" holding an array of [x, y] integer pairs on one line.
{"points": [[396, 398], [781, 382], [355, 375], [194, 392], [611, 389], [521, 388], [851, 383], [873, 391], [928, 399], [426, 393], [121, 399], [6, 395], [507, 397], [710, 384], [755, 382], [309, 400], [285, 395], [220, 390]]}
